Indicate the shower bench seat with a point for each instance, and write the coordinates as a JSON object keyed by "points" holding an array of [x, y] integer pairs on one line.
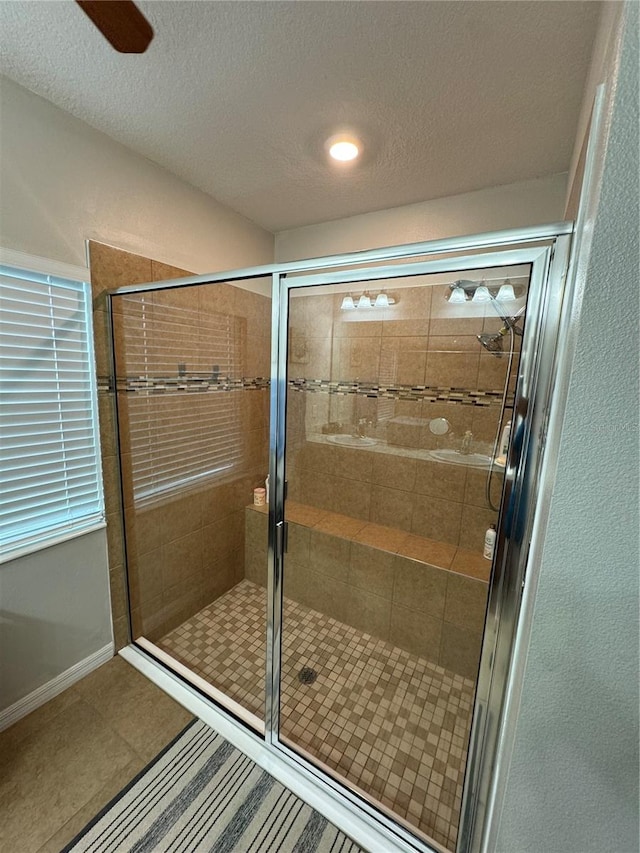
{"points": [[424, 596]]}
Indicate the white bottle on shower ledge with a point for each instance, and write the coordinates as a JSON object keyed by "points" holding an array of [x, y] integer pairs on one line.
{"points": [[266, 488], [504, 439], [489, 542]]}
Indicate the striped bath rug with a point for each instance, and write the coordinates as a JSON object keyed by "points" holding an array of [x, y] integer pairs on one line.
{"points": [[202, 794]]}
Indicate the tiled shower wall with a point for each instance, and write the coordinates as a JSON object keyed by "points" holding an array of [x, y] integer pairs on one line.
{"points": [[426, 598], [187, 547], [422, 342]]}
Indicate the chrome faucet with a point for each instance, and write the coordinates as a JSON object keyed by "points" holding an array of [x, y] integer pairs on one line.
{"points": [[465, 446], [359, 428]]}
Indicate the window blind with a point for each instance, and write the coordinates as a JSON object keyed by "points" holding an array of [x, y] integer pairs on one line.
{"points": [[183, 369], [50, 481]]}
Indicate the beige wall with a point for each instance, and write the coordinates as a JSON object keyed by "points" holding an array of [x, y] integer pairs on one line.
{"points": [[510, 206], [604, 50], [48, 626], [64, 182]]}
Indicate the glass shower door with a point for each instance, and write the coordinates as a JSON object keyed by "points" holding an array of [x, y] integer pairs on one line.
{"points": [[399, 395], [193, 367], [363, 615]]}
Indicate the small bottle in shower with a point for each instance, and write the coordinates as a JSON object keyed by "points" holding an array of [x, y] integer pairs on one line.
{"points": [[489, 542], [504, 439]]}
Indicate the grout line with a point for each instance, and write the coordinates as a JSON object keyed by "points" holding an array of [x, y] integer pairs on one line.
{"points": [[354, 679]]}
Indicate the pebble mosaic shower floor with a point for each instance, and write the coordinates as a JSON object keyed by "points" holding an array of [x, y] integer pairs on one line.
{"points": [[394, 724]]}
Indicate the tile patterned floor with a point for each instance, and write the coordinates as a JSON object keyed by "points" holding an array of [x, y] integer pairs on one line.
{"points": [[394, 724], [62, 763]]}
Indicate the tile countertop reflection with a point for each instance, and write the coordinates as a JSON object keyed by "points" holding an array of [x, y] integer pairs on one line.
{"points": [[445, 455]]}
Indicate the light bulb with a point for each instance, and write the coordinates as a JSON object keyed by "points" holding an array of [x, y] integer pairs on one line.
{"points": [[348, 304], [344, 151], [382, 300], [364, 301], [481, 294], [506, 293], [457, 296]]}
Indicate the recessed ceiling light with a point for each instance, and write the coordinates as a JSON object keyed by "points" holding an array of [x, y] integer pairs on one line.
{"points": [[344, 151], [343, 148]]}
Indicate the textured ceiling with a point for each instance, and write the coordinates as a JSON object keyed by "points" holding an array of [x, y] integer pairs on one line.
{"points": [[238, 97]]}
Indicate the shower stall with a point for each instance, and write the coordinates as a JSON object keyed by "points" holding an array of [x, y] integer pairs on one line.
{"points": [[361, 621]]}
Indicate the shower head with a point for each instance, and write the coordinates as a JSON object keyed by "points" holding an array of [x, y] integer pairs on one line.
{"points": [[494, 343]]}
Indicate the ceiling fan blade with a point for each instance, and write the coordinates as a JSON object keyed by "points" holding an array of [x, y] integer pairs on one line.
{"points": [[120, 22]]}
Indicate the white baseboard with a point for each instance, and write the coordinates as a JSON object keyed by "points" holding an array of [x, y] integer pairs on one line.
{"points": [[52, 688]]}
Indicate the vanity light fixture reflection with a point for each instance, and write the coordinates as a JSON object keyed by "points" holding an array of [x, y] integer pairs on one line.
{"points": [[478, 291], [506, 292], [481, 294], [457, 296], [382, 300]]}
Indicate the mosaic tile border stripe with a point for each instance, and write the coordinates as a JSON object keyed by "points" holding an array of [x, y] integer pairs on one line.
{"points": [[191, 384], [200, 384], [426, 393]]}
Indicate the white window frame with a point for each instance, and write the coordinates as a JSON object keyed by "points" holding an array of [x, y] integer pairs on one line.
{"points": [[26, 263]]}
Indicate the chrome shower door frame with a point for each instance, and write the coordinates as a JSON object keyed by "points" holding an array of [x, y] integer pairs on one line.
{"points": [[546, 250]]}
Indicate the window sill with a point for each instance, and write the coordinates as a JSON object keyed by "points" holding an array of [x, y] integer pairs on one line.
{"points": [[34, 547]]}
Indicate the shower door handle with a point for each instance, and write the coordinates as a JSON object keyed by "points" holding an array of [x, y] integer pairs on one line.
{"points": [[516, 504], [282, 538]]}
